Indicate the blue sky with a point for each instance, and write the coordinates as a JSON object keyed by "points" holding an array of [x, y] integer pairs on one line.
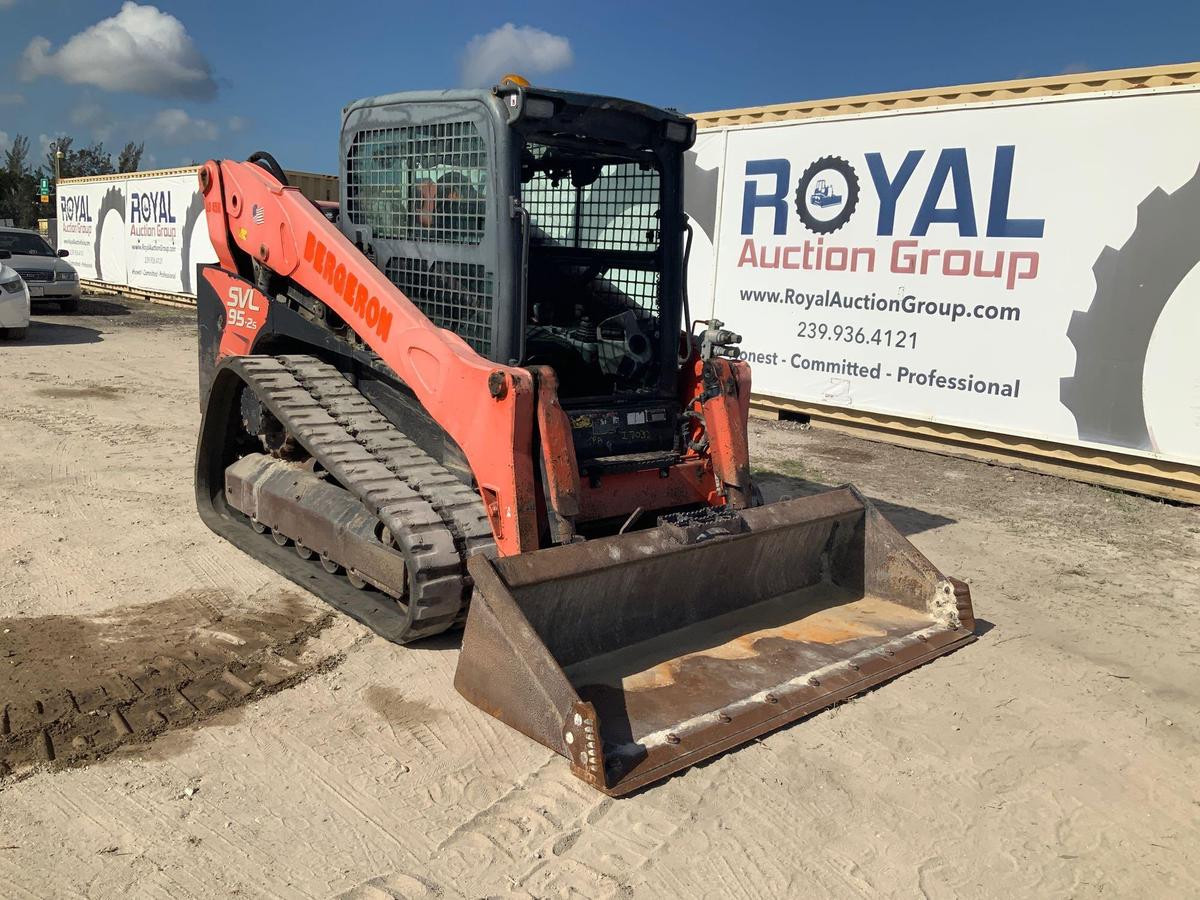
{"points": [[226, 77]]}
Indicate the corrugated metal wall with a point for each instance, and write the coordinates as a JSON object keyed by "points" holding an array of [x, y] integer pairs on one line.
{"points": [[984, 92]]}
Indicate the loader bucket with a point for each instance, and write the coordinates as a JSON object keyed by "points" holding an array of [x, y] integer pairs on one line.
{"points": [[638, 655]]}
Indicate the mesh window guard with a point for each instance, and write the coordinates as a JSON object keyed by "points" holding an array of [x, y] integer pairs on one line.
{"points": [[618, 211], [423, 183], [454, 295], [623, 288]]}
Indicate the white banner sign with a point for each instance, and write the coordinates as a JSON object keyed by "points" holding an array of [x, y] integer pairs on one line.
{"points": [[91, 227], [143, 232], [167, 230], [1028, 269]]}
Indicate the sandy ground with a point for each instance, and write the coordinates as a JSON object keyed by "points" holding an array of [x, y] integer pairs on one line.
{"points": [[1057, 756]]}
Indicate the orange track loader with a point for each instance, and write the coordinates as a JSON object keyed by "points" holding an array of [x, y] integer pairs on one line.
{"points": [[477, 400]]}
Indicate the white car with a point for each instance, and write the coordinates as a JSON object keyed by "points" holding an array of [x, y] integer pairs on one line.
{"points": [[46, 274], [14, 301]]}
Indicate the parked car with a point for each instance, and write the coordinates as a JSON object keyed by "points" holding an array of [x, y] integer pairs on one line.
{"points": [[14, 301], [46, 274]]}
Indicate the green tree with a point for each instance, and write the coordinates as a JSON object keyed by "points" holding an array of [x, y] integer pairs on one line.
{"points": [[92, 160], [86, 162], [16, 159], [130, 158], [18, 185], [62, 143]]}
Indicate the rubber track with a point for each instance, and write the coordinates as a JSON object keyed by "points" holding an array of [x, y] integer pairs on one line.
{"points": [[387, 473], [459, 506]]}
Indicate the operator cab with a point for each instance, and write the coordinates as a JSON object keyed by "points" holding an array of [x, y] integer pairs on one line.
{"points": [[600, 181], [544, 228], [594, 267]]}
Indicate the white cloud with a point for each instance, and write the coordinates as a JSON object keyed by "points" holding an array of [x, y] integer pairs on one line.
{"points": [[175, 126], [4, 141], [141, 49], [95, 118], [11, 98], [238, 123], [44, 141], [524, 50], [7, 4], [87, 114]]}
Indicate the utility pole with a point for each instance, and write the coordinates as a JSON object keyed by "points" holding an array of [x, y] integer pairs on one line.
{"points": [[58, 155]]}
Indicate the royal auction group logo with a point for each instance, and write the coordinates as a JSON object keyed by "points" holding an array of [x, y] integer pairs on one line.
{"points": [[910, 195], [827, 195]]}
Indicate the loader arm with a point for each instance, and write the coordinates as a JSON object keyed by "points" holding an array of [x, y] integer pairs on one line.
{"points": [[486, 408]]}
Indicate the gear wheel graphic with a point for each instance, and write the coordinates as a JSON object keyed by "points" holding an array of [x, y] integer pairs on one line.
{"points": [[700, 193], [1112, 337], [827, 164], [113, 201], [194, 211]]}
